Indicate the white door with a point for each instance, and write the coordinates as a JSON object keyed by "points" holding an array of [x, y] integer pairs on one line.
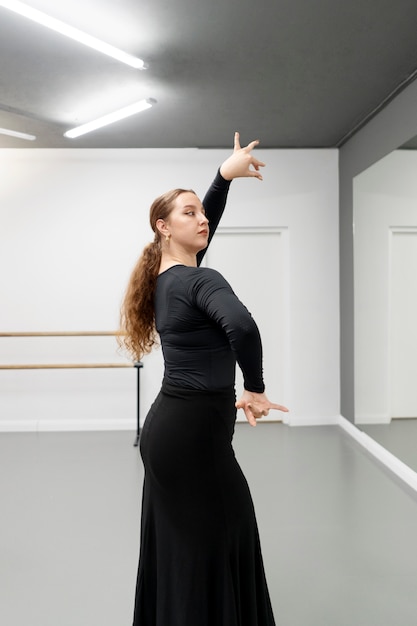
{"points": [[403, 298], [255, 263]]}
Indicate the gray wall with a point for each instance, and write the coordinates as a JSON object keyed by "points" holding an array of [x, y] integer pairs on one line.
{"points": [[395, 125]]}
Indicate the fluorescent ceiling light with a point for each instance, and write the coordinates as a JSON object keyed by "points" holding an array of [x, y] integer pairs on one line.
{"points": [[137, 107], [15, 133], [73, 33]]}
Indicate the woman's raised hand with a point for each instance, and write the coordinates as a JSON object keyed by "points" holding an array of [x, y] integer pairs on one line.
{"points": [[256, 405], [242, 163]]}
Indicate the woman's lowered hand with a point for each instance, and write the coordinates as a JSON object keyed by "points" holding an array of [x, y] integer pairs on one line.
{"points": [[256, 405]]}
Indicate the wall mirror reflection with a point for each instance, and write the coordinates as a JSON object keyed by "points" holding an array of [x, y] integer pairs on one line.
{"points": [[385, 283]]}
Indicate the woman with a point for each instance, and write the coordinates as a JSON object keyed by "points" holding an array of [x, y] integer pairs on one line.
{"points": [[200, 559]]}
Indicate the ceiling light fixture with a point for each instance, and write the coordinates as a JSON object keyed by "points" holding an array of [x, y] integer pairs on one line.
{"points": [[137, 107], [73, 33], [15, 133]]}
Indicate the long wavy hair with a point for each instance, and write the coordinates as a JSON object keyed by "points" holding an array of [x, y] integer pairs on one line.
{"points": [[137, 314]]}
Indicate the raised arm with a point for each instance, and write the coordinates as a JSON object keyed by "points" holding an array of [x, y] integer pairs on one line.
{"points": [[214, 203], [240, 164]]}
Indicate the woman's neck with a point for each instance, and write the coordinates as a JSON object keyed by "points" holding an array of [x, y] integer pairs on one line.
{"points": [[169, 259]]}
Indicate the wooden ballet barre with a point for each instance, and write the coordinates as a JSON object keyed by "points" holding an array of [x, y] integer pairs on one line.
{"points": [[70, 333], [85, 333], [53, 366]]}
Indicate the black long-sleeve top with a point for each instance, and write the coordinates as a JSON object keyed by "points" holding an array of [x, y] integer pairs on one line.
{"points": [[203, 327]]}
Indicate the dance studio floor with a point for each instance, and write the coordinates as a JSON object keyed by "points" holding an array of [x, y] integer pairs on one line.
{"points": [[338, 530]]}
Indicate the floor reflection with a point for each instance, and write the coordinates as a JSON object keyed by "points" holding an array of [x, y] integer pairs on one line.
{"points": [[399, 437]]}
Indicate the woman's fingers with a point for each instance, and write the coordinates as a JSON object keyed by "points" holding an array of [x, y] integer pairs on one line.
{"points": [[279, 407], [250, 417], [255, 174], [258, 411], [256, 163], [255, 409], [251, 145], [247, 148]]}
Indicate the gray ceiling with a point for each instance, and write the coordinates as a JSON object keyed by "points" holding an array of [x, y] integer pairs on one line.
{"points": [[293, 73]]}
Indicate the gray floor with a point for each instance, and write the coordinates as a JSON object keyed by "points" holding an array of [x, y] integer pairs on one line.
{"points": [[399, 437], [338, 532]]}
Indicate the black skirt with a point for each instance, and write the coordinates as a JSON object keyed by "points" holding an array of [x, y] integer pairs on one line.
{"points": [[200, 557]]}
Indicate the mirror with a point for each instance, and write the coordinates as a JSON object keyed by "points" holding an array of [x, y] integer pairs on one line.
{"points": [[385, 289]]}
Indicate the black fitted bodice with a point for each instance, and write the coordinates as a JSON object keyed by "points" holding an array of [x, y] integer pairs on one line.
{"points": [[203, 327]]}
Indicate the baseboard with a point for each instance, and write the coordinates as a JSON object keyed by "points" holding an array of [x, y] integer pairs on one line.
{"points": [[295, 420], [65, 425], [400, 469], [370, 418]]}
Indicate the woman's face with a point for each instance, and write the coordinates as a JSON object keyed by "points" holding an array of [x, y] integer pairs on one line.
{"points": [[187, 224]]}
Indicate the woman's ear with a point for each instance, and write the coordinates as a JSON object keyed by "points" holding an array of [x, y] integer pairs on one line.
{"points": [[162, 227]]}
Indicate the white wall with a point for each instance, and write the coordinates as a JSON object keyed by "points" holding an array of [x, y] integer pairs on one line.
{"points": [[384, 198], [73, 223]]}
